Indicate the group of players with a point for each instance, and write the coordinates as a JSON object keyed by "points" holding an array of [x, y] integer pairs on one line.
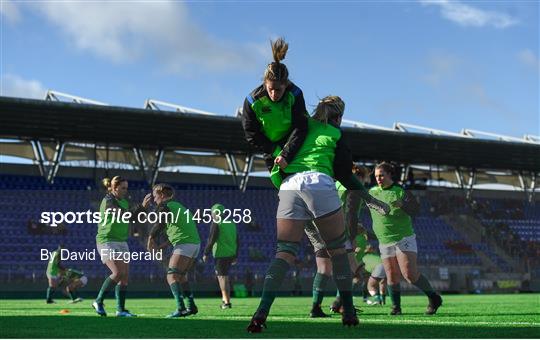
{"points": [[181, 234], [306, 155], [320, 194]]}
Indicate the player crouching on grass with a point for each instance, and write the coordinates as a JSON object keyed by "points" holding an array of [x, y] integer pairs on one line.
{"points": [[182, 234], [74, 280], [58, 275]]}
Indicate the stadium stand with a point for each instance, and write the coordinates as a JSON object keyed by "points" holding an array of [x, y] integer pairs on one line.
{"points": [[23, 198]]}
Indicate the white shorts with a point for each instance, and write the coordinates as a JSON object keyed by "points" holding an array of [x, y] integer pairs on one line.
{"points": [[187, 249], [378, 272], [405, 244], [106, 249], [307, 195]]}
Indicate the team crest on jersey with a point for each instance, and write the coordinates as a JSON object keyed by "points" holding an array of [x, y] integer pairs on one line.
{"points": [[266, 109]]}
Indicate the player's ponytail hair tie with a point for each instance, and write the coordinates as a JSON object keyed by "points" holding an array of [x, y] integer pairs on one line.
{"points": [[330, 108], [111, 184], [164, 189], [276, 71]]}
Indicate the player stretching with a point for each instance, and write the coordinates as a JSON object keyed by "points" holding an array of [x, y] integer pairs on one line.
{"points": [[111, 239], [74, 280], [182, 234]]}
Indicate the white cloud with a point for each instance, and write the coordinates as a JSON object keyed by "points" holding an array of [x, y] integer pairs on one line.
{"points": [[9, 11], [15, 86], [125, 32], [466, 15], [529, 58]]}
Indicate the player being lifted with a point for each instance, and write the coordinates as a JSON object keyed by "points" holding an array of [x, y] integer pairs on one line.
{"points": [[111, 239], [183, 235], [224, 245], [307, 192], [397, 241], [274, 110]]}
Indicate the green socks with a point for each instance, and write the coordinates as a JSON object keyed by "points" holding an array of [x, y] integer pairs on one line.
{"points": [[343, 280], [50, 292], [274, 277], [104, 288], [175, 289], [319, 282], [395, 294], [187, 293], [120, 294], [423, 284]]}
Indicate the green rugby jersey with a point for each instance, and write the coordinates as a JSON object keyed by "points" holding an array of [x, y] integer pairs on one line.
{"points": [[398, 223], [111, 228], [316, 154], [268, 124], [53, 265], [179, 230], [226, 243]]}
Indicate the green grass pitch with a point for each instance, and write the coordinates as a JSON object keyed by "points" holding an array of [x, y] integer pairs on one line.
{"points": [[461, 316]]}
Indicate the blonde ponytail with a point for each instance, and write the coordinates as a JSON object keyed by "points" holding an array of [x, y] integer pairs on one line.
{"points": [[106, 183], [330, 108], [110, 184], [276, 71]]}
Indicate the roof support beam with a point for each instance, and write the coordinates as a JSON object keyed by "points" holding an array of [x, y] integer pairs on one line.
{"points": [[472, 182], [58, 154], [405, 172], [39, 157], [532, 187], [246, 171], [233, 167], [155, 168], [459, 177], [140, 162]]}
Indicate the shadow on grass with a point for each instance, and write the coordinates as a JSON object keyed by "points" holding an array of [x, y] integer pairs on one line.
{"points": [[110, 327]]}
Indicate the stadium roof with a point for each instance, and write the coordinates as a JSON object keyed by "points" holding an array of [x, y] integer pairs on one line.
{"points": [[53, 121]]}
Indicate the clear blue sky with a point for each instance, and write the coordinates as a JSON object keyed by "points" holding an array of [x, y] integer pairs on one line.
{"points": [[446, 64]]}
